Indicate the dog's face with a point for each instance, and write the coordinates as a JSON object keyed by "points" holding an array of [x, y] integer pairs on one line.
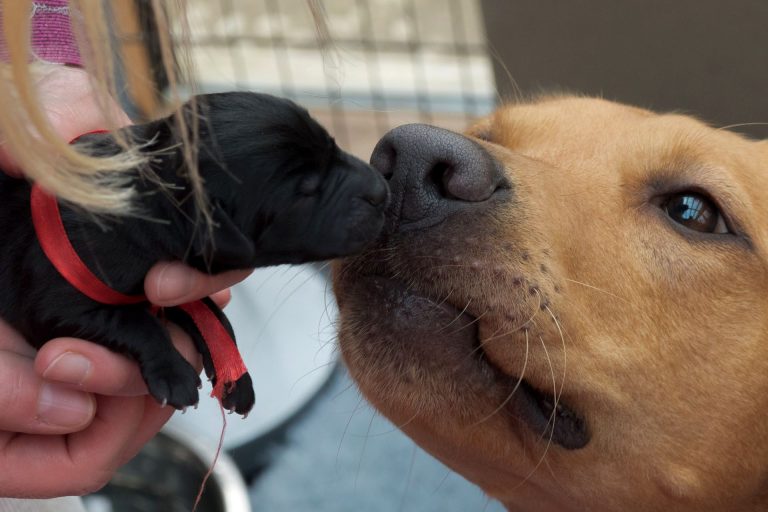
{"points": [[282, 190], [568, 307]]}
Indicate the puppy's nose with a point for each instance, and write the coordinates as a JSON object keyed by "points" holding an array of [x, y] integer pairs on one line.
{"points": [[434, 173]]}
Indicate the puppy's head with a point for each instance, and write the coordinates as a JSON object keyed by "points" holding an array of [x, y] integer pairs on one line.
{"points": [[568, 307], [281, 189]]}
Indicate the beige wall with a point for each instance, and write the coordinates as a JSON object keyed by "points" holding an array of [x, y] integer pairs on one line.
{"points": [[708, 57]]}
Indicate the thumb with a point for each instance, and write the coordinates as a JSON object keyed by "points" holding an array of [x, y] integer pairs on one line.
{"points": [[34, 406]]}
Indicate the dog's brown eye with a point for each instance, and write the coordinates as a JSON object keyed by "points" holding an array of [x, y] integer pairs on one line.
{"points": [[696, 212]]}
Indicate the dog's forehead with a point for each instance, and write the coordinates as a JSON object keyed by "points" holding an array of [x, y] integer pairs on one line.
{"points": [[600, 135]]}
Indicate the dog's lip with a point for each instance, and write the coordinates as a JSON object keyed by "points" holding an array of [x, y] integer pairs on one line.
{"points": [[546, 416], [545, 413]]}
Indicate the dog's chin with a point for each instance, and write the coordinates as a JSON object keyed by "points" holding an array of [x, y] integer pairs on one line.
{"points": [[404, 348]]}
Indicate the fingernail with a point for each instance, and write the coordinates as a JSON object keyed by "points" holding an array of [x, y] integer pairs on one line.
{"points": [[69, 367], [63, 407], [175, 282]]}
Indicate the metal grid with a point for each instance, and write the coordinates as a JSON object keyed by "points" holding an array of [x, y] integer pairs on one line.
{"points": [[391, 61]]}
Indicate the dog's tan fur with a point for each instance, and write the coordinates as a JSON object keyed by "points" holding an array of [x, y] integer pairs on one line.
{"points": [[656, 335]]}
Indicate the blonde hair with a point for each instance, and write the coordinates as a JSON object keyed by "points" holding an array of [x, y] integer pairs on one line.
{"points": [[108, 34], [105, 39]]}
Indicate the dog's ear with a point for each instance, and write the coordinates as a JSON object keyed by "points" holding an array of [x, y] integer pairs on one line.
{"points": [[222, 245]]}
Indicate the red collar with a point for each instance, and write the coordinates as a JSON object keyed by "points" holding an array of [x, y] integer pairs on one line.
{"points": [[46, 218], [53, 238]]}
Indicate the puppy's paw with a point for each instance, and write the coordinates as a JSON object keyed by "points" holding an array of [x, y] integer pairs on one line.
{"points": [[239, 396], [172, 384]]}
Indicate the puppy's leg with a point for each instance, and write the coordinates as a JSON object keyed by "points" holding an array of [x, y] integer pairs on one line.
{"points": [[135, 331], [239, 397]]}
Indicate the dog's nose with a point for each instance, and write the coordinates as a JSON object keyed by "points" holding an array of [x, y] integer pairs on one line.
{"points": [[433, 173]]}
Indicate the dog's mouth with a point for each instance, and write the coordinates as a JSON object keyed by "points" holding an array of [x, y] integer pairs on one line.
{"points": [[546, 414], [444, 336]]}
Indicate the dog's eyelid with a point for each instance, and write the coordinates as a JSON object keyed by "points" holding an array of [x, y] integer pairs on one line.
{"points": [[705, 209]]}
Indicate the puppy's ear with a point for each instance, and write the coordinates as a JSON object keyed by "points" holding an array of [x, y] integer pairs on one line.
{"points": [[223, 246]]}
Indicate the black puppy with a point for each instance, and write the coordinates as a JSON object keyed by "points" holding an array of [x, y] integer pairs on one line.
{"points": [[280, 191]]}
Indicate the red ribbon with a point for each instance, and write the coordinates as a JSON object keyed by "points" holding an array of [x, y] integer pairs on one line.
{"points": [[46, 217]]}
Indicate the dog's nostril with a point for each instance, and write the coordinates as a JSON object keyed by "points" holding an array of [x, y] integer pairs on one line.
{"points": [[472, 179], [384, 159], [440, 176]]}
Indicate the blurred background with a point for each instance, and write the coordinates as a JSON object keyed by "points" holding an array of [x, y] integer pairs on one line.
{"points": [[312, 443]]}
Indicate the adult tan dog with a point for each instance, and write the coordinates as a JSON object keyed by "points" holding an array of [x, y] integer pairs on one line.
{"points": [[568, 307]]}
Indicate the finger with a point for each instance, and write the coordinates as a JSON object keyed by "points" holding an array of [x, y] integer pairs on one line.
{"points": [[173, 283], [76, 464], [222, 298], [90, 367], [12, 341], [31, 405], [155, 416]]}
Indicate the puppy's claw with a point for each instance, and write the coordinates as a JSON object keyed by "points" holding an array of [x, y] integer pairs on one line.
{"points": [[184, 410]]}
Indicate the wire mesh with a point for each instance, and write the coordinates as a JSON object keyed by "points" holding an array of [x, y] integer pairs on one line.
{"points": [[390, 61]]}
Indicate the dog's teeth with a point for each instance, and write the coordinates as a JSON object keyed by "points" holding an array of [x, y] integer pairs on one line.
{"points": [[164, 402]]}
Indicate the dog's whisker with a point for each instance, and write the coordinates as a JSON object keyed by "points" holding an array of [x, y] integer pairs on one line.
{"points": [[552, 419], [278, 306], [438, 304], [555, 397], [515, 329], [341, 392], [346, 428], [468, 324], [374, 413], [456, 318], [511, 393], [442, 482], [596, 289], [397, 427], [310, 372], [515, 87], [565, 356], [495, 337], [739, 125], [408, 478]]}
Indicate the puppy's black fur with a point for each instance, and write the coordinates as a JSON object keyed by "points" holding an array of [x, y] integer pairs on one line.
{"points": [[280, 191]]}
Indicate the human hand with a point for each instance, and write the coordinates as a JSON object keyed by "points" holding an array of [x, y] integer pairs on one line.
{"points": [[69, 102], [72, 414], [90, 404]]}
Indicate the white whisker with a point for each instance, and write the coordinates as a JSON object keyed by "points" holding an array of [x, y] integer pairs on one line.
{"points": [[511, 393], [456, 318], [596, 289]]}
